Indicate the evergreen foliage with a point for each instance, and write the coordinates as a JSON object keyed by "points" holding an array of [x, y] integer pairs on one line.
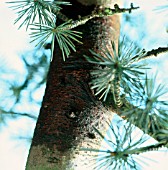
{"points": [[64, 36], [150, 113], [121, 147], [119, 70], [30, 10]]}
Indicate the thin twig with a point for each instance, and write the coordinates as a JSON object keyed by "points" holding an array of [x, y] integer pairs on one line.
{"points": [[100, 13], [18, 114], [154, 147], [153, 52]]}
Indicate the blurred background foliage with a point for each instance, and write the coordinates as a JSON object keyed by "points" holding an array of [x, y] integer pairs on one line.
{"points": [[20, 89]]}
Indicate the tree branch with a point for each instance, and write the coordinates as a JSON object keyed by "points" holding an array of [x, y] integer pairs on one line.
{"points": [[156, 52], [97, 13], [18, 114], [154, 147], [153, 52], [100, 13]]}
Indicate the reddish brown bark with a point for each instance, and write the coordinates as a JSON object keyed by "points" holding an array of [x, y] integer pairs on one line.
{"points": [[67, 92]]}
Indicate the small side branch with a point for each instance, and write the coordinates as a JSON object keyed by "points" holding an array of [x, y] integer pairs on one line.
{"points": [[153, 52], [154, 147], [3, 112], [116, 10], [100, 13]]}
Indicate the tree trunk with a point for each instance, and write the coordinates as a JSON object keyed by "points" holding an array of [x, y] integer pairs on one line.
{"points": [[69, 109]]}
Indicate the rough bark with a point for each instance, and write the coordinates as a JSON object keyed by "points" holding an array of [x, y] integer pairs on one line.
{"points": [[69, 108]]}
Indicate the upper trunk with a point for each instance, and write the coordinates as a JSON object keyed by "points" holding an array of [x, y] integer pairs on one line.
{"points": [[69, 108]]}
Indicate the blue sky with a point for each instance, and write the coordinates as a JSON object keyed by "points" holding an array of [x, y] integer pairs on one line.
{"points": [[13, 152]]}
